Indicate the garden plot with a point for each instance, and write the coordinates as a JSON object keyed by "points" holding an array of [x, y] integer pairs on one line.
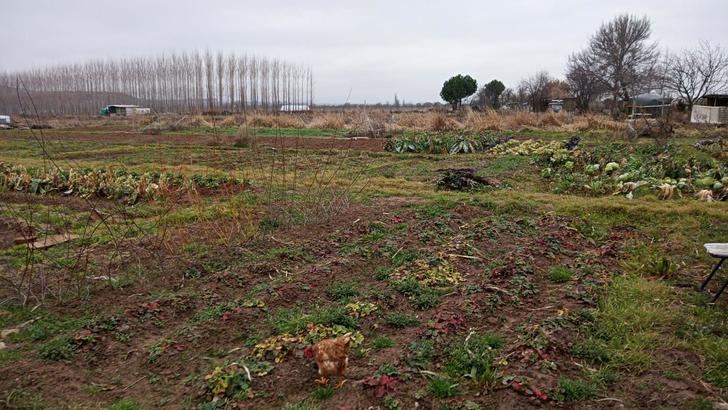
{"points": [[537, 291]]}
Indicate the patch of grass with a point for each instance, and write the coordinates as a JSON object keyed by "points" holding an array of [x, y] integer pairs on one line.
{"points": [[422, 297], [301, 405], [382, 342], [7, 356], [560, 274], [715, 350], [592, 349], [427, 298], [574, 390], [293, 321], [633, 317], [322, 393], [213, 312], [407, 286], [334, 315], [269, 224], [60, 348], [474, 358], [390, 403], [290, 252], [443, 388], [125, 404], [341, 290], [649, 260], [404, 256], [401, 320], [433, 210], [702, 404], [289, 321], [48, 327], [604, 376], [382, 273]]}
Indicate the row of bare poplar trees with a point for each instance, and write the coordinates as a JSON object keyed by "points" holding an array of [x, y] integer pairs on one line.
{"points": [[187, 82]]}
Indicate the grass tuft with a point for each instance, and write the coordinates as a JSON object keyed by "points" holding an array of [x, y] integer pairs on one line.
{"points": [[560, 274], [574, 390], [401, 320], [443, 388]]}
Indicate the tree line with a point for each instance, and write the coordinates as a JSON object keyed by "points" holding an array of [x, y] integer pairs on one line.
{"points": [[188, 82], [619, 62]]}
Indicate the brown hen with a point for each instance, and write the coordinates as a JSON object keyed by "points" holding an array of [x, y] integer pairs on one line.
{"points": [[332, 357]]}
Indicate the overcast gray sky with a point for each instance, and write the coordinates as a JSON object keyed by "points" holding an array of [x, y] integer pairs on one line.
{"points": [[373, 48]]}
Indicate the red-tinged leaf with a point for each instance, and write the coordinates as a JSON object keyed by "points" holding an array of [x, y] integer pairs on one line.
{"points": [[178, 347], [226, 316], [541, 395], [386, 380], [517, 386], [371, 381], [380, 391]]}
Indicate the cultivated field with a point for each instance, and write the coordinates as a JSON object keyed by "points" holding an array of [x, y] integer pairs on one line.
{"points": [[197, 257]]}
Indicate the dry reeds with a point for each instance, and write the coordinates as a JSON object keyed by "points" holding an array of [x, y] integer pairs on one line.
{"points": [[364, 122], [327, 121]]}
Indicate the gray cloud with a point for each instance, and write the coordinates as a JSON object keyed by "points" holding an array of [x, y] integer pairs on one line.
{"points": [[373, 48]]}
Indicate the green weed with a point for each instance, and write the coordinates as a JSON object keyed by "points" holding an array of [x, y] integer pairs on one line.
{"points": [[560, 274], [574, 390], [382, 342], [341, 290], [473, 359], [443, 388], [631, 315], [401, 320], [421, 353], [323, 393], [125, 404], [60, 348]]}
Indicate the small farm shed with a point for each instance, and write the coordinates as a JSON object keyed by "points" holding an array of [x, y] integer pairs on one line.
{"points": [[124, 110], [295, 108], [5, 120], [711, 109], [556, 105]]}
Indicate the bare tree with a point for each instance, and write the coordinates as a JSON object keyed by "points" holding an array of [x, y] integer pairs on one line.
{"points": [[697, 72], [535, 90], [584, 84], [621, 57]]}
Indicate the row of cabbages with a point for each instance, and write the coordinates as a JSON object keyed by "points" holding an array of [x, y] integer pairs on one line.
{"points": [[108, 183], [444, 143], [668, 171]]}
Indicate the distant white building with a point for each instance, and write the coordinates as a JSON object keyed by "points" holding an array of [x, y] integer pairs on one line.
{"points": [[295, 108], [711, 109], [5, 121], [124, 110]]}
